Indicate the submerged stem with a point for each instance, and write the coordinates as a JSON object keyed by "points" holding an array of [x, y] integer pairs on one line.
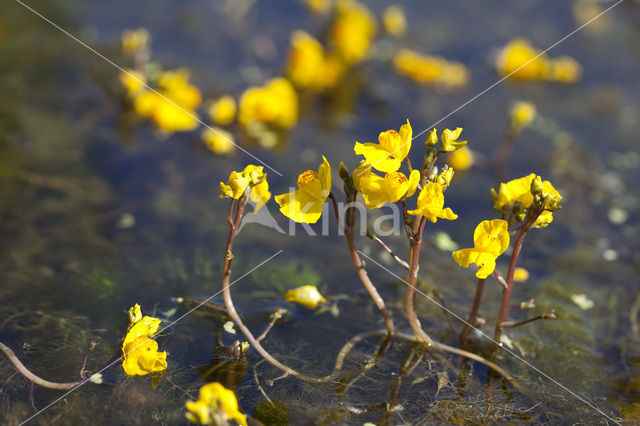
{"points": [[474, 311]]}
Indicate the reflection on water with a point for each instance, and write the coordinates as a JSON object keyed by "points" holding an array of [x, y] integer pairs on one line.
{"points": [[100, 211]]}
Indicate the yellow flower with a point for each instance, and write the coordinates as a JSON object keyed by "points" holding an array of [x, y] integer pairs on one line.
{"points": [[306, 295], [431, 203], [394, 21], [260, 195], [377, 190], [516, 54], [519, 190], [564, 69], [306, 61], [215, 405], [175, 86], [239, 182], [352, 31], [223, 110], [140, 353], [133, 81], [318, 6], [444, 178], [218, 140], [461, 159], [305, 203], [430, 70], [520, 275], [522, 115], [169, 117], [393, 147], [275, 103], [449, 142], [134, 40], [490, 240], [141, 357]]}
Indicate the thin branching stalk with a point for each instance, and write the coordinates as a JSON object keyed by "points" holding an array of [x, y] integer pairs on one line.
{"points": [[416, 243], [348, 228], [386, 248], [473, 315]]}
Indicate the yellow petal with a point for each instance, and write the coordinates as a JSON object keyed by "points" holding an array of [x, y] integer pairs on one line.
{"points": [[325, 177], [300, 207], [306, 295], [379, 158], [260, 195]]}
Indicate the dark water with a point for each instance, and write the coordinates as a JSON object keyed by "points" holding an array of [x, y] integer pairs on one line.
{"points": [[73, 162]]}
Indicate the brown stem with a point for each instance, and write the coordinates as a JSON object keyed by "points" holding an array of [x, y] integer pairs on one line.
{"points": [[32, 377], [474, 311], [359, 264], [506, 292], [413, 278], [548, 315]]}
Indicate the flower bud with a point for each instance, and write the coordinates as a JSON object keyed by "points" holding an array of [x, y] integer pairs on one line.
{"points": [[432, 138], [536, 185]]}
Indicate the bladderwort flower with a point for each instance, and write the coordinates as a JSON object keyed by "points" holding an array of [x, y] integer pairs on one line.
{"points": [[431, 204], [519, 191], [274, 103], [222, 111], [449, 140], [392, 149], [306, 295], [304, 205], [140, 352], [216, 405], [308, 66], [218, 140], [352, 31], [252, 176], [377, 190], [490, 240]]}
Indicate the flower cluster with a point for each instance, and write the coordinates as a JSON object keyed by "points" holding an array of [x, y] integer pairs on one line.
{"points": [[431, 70], [528, 63], [215, 405], [140, 352]]}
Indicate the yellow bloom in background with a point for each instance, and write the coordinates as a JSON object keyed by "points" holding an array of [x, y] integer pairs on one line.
{"points": [[431, 203], [305, 204], [352, 31], [275, 103], [564, 69], [306, 295], [175, 86], [222, 111], [522, 115], [307, 65], [377, 190], [393, 148], [532, 64], [134, 40], [133, 81], [394, 21], [169, 117], [516, 54], [218, 140], [140, 353], [319, 6], [462, 159], [520, 275], [141, 357], [431, 70], [215, 405], [490, 240]]}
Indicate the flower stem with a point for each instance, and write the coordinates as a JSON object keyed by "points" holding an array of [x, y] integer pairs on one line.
{"points": [[506, 292], [357, 261], [474, 311], [416, 243]]}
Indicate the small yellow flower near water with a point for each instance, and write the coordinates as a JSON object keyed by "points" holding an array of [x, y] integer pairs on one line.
{"points": [[308, 66], [222, 111], [319, 6], [490, 240], [519, 190], [175, 85], [394, 21], [377, 190], [352, 31], [133, 81], [392, 149], [306, 295], [431, 70], [140, 353], [304, 205], [449, 140], [215, 405], [520, 275], [218, 140], [462, 159], [274, 103], [522, 115], [134, 40], [431, 203], [239, 182]]}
